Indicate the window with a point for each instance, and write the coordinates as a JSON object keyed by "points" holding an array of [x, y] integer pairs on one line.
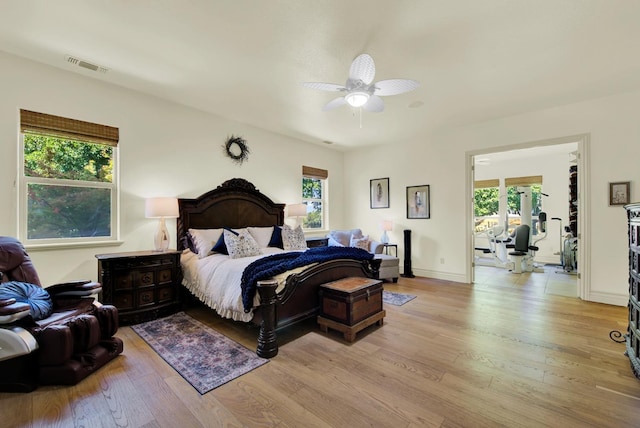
{"points": [[515, 189], [486, 204], [68, 184], [314, 196]]}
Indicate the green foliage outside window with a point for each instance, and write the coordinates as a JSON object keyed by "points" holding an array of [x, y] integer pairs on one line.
{"points": [[487, 201], [58, 158], [61, 209], [312, 196]]}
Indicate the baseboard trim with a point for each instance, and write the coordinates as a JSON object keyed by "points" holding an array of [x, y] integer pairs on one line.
{"points": [[445, 276], [608, 298]]}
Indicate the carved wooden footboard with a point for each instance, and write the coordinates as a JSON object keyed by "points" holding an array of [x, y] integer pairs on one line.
{"points": [[299, 299]]}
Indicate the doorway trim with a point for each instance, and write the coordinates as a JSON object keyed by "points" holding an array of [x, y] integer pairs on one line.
{"points": [[584, 218]]}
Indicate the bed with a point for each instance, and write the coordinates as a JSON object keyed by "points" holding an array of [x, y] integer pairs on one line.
{"points": [[280, 301]]}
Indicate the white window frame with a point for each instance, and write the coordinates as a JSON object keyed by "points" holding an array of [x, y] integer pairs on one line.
{"points": [[22, 195], [323, 202]]}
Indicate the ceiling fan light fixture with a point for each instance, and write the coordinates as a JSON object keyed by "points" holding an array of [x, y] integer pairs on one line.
{"points": [[357, 99]]}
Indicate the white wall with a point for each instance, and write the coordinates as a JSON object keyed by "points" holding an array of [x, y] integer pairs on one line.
{"points": [[165, 149], [439, 243]]}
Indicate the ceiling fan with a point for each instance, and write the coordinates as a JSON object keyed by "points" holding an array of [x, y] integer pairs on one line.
{"points": [[360, 91]]}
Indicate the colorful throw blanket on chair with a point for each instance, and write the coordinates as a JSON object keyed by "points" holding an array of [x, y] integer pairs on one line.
{"points": [[275, 264]]}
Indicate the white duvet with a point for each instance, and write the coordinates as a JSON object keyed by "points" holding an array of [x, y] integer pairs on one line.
{"points": [[215, 280]]}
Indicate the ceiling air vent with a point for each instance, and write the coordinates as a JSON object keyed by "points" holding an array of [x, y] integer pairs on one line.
{"points": [[85, 64]]}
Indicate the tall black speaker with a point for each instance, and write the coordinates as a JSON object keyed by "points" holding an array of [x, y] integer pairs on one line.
{"points": [[408, 273]]}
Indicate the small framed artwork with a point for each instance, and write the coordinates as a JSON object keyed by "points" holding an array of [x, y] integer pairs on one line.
{"points": [[619, 193], [379, 190], [418, 205]]}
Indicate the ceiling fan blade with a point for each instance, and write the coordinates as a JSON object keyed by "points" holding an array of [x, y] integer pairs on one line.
{"points": [[334, 103], [324, 86], [394, 86], [363, 68], [374, 105]]}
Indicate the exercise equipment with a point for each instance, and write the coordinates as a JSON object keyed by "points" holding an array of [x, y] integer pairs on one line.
{"points": [[568, 249]]}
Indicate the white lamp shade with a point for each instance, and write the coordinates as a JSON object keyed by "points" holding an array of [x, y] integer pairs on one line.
{"points": [[297, 210], [161, 207], [386, 225]]}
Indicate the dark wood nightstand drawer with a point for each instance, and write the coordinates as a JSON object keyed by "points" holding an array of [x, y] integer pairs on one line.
{"points": [[123, 281], [164, 276], [143, 285], [317, 242], [165, 294], [123, 301]]}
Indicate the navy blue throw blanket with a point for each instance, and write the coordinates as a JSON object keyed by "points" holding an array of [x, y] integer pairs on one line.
{"points": [[269, 266]]}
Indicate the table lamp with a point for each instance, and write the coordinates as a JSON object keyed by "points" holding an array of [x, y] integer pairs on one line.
{"points": [[161, 208], [297, 211], [386, 226]]}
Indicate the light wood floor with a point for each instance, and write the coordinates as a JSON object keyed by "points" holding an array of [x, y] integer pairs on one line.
{"points": [[501, 352]]}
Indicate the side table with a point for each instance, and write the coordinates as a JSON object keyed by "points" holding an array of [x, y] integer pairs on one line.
{"points": [[387, 246]]}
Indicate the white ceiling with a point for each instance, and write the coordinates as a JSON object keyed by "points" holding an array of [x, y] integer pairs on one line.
{"points": [[246, 59]]}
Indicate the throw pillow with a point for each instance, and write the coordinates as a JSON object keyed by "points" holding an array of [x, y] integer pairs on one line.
{"points": [[35, 296], [262, 235], [241, 244], [362, 242], [221, 246], [276, 238], [204, 239], [293, 239]]}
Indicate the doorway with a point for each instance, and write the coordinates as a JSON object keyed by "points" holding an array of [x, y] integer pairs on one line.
{"points": [[553, 162]]}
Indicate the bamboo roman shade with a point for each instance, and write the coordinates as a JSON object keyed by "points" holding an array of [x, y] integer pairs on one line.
{"points": [[484, 184], [523, 181], [318, 173], [62, 127]]}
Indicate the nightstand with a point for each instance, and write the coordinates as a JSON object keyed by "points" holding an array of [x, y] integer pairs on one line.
{"points": [[143, 285], [317, 242]]}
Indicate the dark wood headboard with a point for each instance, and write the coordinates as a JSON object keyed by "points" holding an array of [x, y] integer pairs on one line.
{"points": [[235, 203]]}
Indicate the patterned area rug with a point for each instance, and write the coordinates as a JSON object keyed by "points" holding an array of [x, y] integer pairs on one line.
{"points": [[396, 299], [204, 357]]}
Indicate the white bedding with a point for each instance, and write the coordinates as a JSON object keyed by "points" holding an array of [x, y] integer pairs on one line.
{"points": [[215, 280]]}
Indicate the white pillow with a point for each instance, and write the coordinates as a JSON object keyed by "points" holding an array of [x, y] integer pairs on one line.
{"points": [[262, 235], [293, 239], [204, 240], [242, 245], [362, 242]]}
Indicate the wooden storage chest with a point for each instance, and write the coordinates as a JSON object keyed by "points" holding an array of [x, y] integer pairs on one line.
{"points": [[351, 304]]}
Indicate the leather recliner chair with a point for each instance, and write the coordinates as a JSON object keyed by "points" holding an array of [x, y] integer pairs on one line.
{"points": [[56, 335]]}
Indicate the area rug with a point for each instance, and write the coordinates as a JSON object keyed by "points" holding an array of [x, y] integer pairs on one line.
{"points": [[396, 299], [203, 357]]}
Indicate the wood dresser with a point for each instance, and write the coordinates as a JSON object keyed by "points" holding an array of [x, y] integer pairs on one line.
{"points": [[633, 330], [143, 285], [349, 305]]}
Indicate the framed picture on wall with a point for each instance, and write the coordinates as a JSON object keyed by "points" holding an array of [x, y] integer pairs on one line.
{"points": [[418, 205], [619, 193], [379, 191]]}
